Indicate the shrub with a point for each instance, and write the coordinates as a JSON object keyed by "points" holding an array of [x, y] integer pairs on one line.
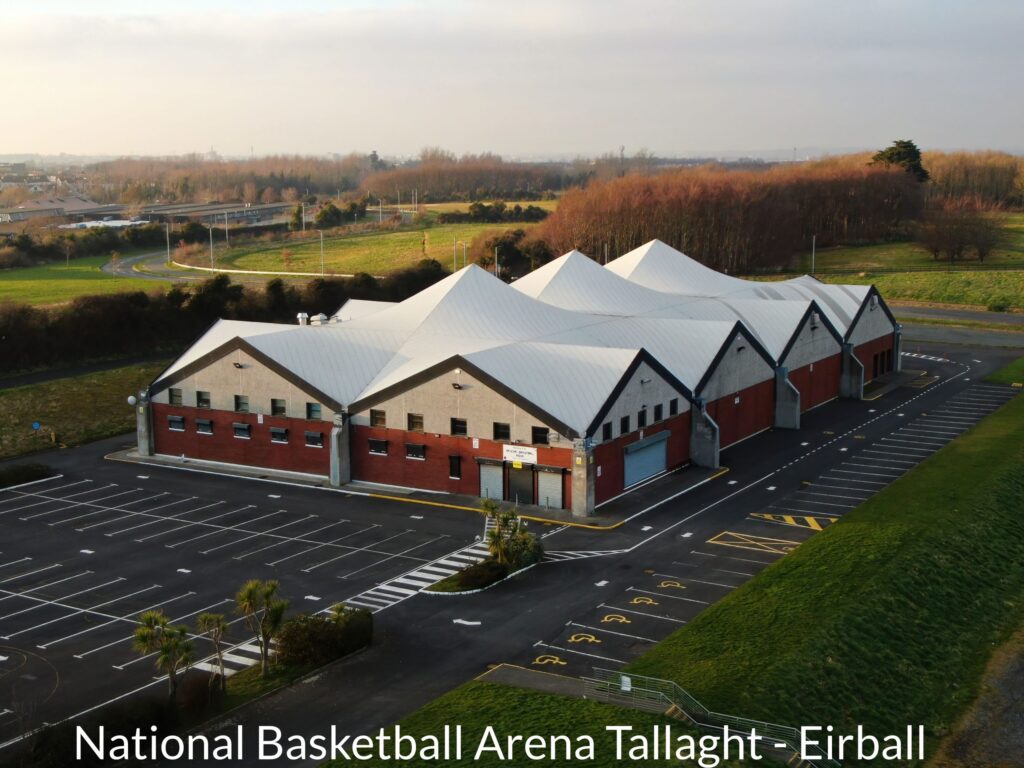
{"points": [[482, 574], [312, 641], [16, 474], [998, 304]]}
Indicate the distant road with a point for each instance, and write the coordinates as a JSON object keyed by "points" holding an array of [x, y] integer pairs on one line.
{"points": [[972, 315]]}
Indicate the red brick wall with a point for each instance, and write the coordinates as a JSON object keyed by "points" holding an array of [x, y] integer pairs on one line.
{"points": [[820, 385], [755, 412], [432, 472], [609, 456], [258, 451], [865, 353]]}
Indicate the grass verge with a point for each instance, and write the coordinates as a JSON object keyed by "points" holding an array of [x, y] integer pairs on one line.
{"points": [[1011, 374], [997, 291], [884, 619], [75, 410], [56, 283]]}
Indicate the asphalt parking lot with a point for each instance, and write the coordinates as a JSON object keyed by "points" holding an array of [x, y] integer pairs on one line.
{"points": [[83, 557], [84, 553]]}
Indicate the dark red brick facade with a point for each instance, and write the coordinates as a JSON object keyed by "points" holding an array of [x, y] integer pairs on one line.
{"points": [[257, 451], [877, 356], [819, 385], [754, 412], [609, 456], [432, 472]]}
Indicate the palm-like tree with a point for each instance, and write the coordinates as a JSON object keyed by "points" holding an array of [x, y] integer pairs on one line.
{"points": [[171, 644], [264, 614], [215, 626]]}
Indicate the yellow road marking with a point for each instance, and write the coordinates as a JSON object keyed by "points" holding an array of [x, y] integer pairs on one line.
{"points": [[754, 543], [670, 584], [643, 601], [797, 521], [583, 637], [548, 658], [615, 618]]}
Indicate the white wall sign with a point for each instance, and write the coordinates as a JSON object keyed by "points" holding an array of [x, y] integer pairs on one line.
{"points": [[521, 453]]}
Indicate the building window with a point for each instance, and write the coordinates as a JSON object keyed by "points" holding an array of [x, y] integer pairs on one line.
{"points": [[243, 431], [202, 399], [659, 412], [204, 426], [313, 411], [278, 407], [415, 451], [380, 447], [502, 431], [455, 467], [673, 406], [624, 425], [176, 423], [606, 431], [414, 422], [641, 418], [459, 427], [378, 418], [278, 435], [174, 396], [539, 435], [241, 404], [315, 439]]}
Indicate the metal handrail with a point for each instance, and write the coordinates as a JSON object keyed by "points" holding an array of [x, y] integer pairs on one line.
{"points": [[656, 695]]}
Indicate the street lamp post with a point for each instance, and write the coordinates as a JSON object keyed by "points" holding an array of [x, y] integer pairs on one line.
{"points": [[167, 228], [227, 237], [303, 216], [211, 246], [321, 252]]}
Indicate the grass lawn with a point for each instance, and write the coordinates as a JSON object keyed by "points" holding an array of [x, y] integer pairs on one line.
{"points": [[999, 291], [1011, 374], [512, 711], [909, 254], [376, 252], [887, 617], [547, 205], [79, 409], [56, 283]]}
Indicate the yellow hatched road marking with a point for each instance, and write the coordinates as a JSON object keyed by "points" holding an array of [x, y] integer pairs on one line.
{"points": [[754, 543], [797, 521]]}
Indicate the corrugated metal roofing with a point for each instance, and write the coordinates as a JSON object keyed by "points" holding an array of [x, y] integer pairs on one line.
{"points": [[354, 308]]}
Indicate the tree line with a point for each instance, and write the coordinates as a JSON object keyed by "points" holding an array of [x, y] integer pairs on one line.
{"points": [[484, 213], [737, 221], [140, 323]]}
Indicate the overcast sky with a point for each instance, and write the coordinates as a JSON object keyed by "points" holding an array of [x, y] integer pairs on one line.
{"points": [[522, 78]]}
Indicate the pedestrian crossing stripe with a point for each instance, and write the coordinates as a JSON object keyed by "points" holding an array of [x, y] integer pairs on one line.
{"points": [[798, 521], [754, 543]]}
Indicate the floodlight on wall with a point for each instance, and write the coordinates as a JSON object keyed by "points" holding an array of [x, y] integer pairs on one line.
{"points": [[645, 381], [238, 365], [456, 385]]}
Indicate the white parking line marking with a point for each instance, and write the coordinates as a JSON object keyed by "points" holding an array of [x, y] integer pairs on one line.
{"points": [[324, 544], [37, 606], [354, 550], [15, 562], [44, 586], [641, 613], [78, 611], [580, 653], [30, 573], [50, 499], [222, 529], [392, 557], [662, 594], [280, 543], [244, 539], [697, 581], [177, 516], [609, 632], [188, 523], [61, 510], [115, 619]]}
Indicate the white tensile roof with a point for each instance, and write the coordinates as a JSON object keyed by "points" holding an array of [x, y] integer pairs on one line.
{"points": [[354, 308], [578, 283], [661, 267], [562, 337]]}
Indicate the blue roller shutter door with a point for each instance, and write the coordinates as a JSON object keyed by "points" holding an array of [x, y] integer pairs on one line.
{"points": [[645, 458]]}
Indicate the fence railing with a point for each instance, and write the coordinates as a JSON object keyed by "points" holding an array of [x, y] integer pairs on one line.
{"points": [[651, 694]]}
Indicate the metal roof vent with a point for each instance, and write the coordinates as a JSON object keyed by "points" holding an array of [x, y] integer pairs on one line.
{"points": [[814, 320], [319, 319], [303, 318]]}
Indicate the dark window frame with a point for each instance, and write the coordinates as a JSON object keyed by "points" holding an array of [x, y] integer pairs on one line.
{"points": [[176, 423], [314, 439], [455, 467], [501, 431], [278, 406], [204, 426], [372, 442], [410, 422], [241, 400], [314, 411], [673, 406], [606, 431], [174, 396], [458, 427], [542, 433], [624, 424], [203, 399], [279, 435], [378, 418], [241, 430], [412, 449], [659, 412], [641, 418]]}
